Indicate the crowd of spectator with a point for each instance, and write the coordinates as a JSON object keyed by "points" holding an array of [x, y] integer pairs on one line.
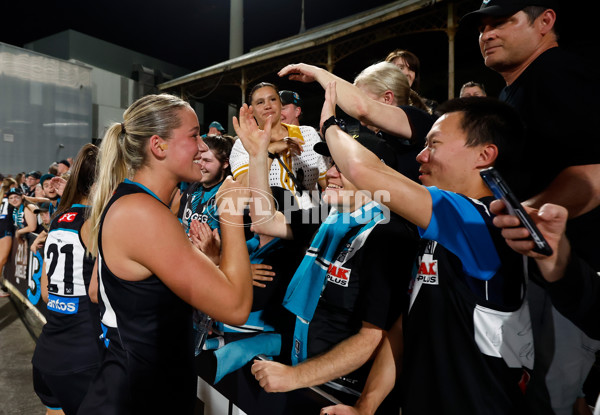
{"points": [[370, 261]]}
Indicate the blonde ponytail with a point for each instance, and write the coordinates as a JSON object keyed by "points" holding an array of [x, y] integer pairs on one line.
{"points": [[123, 148], [384, 76], [111, 170], [416, 101]]}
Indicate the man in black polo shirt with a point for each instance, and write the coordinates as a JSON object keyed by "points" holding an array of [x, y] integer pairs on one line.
{"points": [[556, 96]]}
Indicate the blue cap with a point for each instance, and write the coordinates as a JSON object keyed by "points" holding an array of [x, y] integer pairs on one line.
{"points": [[217, 125]]}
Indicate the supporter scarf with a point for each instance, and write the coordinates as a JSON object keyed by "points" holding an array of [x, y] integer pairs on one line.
{"points": [[304, 290]]}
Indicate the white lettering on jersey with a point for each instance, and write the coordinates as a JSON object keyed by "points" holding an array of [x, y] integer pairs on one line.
{"points": [[63, 305]]}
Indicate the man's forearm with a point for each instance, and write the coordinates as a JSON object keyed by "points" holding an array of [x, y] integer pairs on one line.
{"points": [[344, 358], [577, 188], [385, 370]]}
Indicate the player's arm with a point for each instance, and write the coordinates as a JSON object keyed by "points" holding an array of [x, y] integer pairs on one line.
{"points": [[93, 288], [343, 358], [44, 282], [224, 292]]}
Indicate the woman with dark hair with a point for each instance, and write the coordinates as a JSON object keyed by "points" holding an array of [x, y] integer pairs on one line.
{"points": [[409, 64], [294, 164], [67, 354]]}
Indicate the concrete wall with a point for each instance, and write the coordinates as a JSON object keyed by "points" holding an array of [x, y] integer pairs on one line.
{"points": [[45, 109]]}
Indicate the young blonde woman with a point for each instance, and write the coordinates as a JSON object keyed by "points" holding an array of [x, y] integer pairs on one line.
{"points": [[382, 100], [150, 275]]}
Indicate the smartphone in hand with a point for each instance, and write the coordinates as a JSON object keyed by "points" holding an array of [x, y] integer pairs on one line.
{"points": [[501, 190]]}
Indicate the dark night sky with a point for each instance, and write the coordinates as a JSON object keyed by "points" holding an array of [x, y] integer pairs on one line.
{"points": [[195, 33], [192, 34]]}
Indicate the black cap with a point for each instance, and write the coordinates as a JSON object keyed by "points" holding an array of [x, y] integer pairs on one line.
{"points": [[34, 173], [290, 97], [65, 162], [14, 191], [376, 145], [42, 207], [501, 8]]}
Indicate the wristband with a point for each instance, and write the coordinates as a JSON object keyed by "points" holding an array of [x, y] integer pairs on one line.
{"points": [[332, 121]]}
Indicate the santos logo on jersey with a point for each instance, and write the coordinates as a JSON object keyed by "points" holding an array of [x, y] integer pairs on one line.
{"points": [[427, 273], [63, 305], [338, 275], [68, 217]]}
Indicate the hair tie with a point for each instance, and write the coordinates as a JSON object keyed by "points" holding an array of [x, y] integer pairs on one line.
{"points": [[123, 128]]}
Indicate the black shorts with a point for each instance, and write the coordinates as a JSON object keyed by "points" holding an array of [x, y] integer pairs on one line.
{"points": [[6, 232], [62, 391]]}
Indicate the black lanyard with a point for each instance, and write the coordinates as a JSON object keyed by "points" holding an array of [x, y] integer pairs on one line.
{"points": [[299, 186]]}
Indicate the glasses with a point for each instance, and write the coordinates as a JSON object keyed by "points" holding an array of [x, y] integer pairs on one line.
{"points": [[332, 164]]}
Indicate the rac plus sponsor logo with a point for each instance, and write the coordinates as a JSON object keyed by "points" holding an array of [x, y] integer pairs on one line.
{"points": [[63, 305], [427, 273], [68, 217], [338, 275]]}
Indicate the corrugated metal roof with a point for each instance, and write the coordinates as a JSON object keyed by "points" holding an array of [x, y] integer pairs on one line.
{"points": [[308, 39]]}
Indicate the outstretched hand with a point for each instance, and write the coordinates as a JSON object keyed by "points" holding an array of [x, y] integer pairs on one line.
{"points": [[59, 184], [300, 72], [254, 139], [328, 109]]}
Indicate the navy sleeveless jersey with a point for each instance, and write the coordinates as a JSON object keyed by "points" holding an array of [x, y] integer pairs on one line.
{"points": [[148, 364], [7, 227], [69, 341]]}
